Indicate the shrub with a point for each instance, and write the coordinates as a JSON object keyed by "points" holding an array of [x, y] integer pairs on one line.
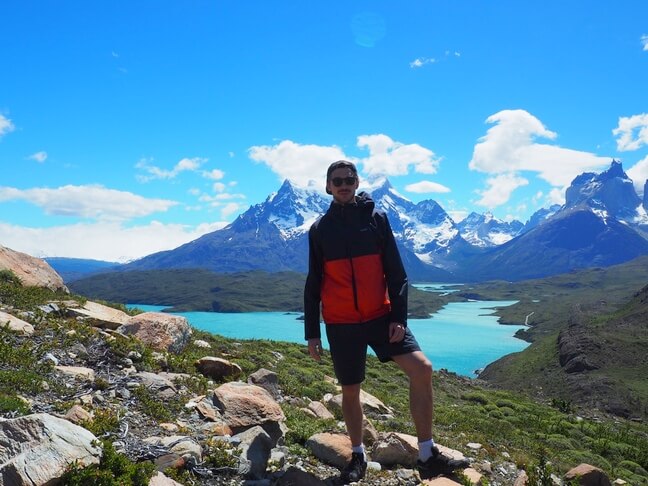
{"points": [[114, 469]]}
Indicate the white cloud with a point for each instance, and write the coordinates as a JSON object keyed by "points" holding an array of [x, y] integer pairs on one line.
{"points": [[218, 187], [625, 132], [639, 173], [229, 209], [6, 125], [499, 189], [101, 241], [39, 157], [510, 147], [389, 157], [421, 61], [644, 42], [423, 187], [305, 165], [214, 174], [556, 196], [186, 164], [90, 201]]}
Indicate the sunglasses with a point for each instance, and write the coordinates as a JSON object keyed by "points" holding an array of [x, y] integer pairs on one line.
{"points": [[338, 181]]}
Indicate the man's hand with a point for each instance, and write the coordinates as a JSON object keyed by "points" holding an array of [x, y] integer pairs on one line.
{"points": [[396, 332], [315, 348]]}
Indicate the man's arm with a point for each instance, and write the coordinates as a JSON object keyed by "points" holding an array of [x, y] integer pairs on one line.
{"points": [[312, 288]]}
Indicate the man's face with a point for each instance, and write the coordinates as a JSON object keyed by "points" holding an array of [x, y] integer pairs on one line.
{"points": [[344, 193]]}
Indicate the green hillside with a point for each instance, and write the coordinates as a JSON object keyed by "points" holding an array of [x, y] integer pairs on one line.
{"points": [[515, 432], [589, 338]]}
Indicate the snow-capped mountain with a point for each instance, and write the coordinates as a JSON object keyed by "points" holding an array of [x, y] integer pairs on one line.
{"points": [[486, 231], [539, 216], [610, 194], [600, 224], [423, 228]]}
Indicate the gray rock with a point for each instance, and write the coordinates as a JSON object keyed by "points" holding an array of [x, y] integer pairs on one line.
{"points": [[37, 449]]}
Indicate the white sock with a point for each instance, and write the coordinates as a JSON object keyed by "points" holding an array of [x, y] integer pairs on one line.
{"points": [[425, 449], [359, 450]]}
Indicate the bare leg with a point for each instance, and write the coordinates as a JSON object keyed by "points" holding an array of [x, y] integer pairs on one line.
{"points": [[352, 411], [419, 371]]}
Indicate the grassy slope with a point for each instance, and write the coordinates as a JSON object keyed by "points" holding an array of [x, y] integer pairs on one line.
{"points": [[614, 322], [504, 422]]}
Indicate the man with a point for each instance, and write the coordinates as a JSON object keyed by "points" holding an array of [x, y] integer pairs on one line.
{"points": [[356, 273]]}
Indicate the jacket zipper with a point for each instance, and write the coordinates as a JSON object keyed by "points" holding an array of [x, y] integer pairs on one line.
{"points": [[353, 279]]}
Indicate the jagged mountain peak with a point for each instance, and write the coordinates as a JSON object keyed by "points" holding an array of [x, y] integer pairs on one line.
{"points": [[611, 193], [485, 230]]}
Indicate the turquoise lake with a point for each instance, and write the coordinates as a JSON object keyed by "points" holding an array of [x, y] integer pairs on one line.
{"points": [[462, 337]]}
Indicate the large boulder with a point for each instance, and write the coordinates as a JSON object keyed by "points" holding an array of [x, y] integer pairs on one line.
{"points": [[100, 315], [243, 406], [587, 475], [37, 449], [333, 449], [217, 368], [31, 271], [15, 324], [162, 332]]}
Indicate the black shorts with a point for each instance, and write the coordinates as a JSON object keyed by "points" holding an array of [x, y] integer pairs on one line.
{"points": [[348, 343]]}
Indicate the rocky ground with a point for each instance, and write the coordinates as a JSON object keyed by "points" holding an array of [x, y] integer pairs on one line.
{"points": [[233, 433]]}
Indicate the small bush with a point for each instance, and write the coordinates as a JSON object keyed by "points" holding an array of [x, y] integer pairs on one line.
{"points": [[113, 470]]}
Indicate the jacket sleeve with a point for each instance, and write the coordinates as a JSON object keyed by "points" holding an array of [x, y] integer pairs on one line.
{"points": [[395, 275], [313, 287]]}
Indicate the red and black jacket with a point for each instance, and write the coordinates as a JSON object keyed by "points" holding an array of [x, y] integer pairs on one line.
{"points": [[354, 270]]}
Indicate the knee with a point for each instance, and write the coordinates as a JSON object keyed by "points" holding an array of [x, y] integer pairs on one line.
{"points": [[424, 370]]}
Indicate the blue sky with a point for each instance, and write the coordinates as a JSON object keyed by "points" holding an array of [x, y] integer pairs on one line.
{"points": [[129, 127]]}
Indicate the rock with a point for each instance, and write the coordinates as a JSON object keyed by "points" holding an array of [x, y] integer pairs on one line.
{"points": [[207, 411], [268, 380], [440, 481], [333, 449], [255, 445], [160, 479], [217, 428], [522, 479], [588, 475], [473, 475], [100, 315], [15, 324], [393, 448], [31, 271], [244, 405], [218, 368], [199, 343], [157, 382], [475, 446], [37, 449], [577, 350], [77, 372], [297, 477], [77, 415], [178, 444], [369, 432], [169, 427], [162, 332], [172, 459], [370, 404], [320, 410]]}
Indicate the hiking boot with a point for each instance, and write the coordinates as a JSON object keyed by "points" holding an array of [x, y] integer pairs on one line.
{"points": [[355, 470], [439, 464]]}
